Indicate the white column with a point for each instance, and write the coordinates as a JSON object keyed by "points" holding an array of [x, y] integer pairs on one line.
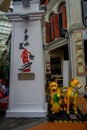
{"points": [[27, 93]]}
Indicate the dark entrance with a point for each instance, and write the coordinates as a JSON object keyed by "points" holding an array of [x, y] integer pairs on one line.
{"points": [[85, 51], [85, 56], [57, 57]]}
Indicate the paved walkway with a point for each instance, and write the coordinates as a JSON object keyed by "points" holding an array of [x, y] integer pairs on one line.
{"points": [[39, 124], [43, 123], [18, 123]]}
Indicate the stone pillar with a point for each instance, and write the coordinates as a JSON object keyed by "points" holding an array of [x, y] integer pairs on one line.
{"points": [[27, 85]]}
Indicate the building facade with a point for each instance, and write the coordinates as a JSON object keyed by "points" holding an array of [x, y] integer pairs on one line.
{"points": [[65, 39]]}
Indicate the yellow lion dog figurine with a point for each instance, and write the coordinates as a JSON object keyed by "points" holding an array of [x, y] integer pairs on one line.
{"points": [[55, 94], [71, 95]]}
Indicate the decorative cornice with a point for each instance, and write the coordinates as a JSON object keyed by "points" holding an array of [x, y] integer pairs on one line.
{"points": [[27, 16], [76, 26]]}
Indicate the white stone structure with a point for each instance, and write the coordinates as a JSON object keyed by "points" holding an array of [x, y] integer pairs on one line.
{"points": [[27, 97]]}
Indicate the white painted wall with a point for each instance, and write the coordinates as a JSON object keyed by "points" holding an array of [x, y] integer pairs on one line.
{"points": [[74, 12], [66, 73]]}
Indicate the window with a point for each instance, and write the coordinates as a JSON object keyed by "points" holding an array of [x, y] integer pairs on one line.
{"points": [[84, 12], [57, 22], [60, 23], [62, 19], [52, 26], [44, 2], [85, 51]]}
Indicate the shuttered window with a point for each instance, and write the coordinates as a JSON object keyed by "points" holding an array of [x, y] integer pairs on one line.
{"points": [[62, 19], [84, 12], [47, 32], [56, 26], [56, 23], [52, 27], [45, 2]]}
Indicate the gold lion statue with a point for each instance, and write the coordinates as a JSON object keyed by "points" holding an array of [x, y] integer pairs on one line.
{"points": [[71, 94]]}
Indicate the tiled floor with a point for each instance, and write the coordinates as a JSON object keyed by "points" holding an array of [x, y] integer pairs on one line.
{"points": [[60, 126], [82, 104]]}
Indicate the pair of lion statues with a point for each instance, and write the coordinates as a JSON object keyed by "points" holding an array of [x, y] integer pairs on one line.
{"points": [[60, 100]]}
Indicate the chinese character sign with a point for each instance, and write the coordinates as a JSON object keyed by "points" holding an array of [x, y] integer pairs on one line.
{"points": [[26, 56]]}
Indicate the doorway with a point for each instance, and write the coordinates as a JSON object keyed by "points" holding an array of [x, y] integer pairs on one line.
{"points": [[57, 56], [85, 57], [85, 52]]}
